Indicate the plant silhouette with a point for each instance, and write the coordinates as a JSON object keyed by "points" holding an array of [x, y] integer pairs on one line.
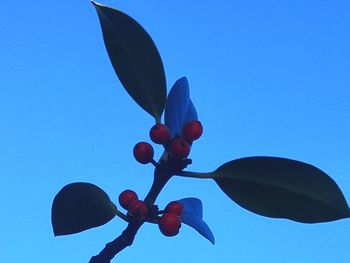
{"points": [[269, 186]]}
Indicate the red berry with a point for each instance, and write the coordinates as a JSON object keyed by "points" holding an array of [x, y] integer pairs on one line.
{"points": [[192, 131], [143, 152], [180, 148], [159, 133], [174, 208], [138, 210], [169, 224], [126, 197]]}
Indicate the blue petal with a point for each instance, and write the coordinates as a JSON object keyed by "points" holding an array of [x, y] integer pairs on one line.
{"points": [[192, 207], [179, 108], [199, 225]]}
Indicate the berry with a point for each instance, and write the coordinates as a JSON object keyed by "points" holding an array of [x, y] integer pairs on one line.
{"points": [[143, 152], [138, 210], [159, 134], [126, 197], [192, 131], [179, 148], [174, 208], [169, 224]]}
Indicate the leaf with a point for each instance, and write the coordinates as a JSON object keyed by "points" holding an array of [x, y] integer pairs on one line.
{"points": [[192, 207], [191, 113], [282, 188], [200, 226], [135, 59], [192, 216], [179, 108], [80, 206]]}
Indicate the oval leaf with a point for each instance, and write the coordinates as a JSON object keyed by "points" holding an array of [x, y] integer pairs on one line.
{"points": [[135, 59], [282, 188], [192, 216], [80, 206], [179, 108]]}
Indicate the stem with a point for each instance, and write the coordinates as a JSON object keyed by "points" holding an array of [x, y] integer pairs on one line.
{"points": [[122, 216], [194, 174], [161, 177], [155, 164]]}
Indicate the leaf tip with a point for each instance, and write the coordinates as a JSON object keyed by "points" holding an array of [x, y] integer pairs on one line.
{"points": [[184, 81], [56, 233], [212, 241], [95, 3], [210, 236], [183, 78]]}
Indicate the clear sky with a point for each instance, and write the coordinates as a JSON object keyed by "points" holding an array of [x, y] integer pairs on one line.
{"points": [[267, 78]]}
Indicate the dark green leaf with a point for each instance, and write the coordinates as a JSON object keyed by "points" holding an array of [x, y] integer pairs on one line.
{"points": [[80, 206], [282, 188], [135, 59]]}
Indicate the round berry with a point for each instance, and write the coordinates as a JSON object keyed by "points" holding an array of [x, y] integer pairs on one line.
{"points": [[159, 134], [126, 197], [138, 210], [174, 208], [179, 148], [169, 224], [192, 131], [143, 152]]}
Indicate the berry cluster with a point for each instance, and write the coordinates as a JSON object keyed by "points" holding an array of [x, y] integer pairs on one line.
{"points": [[178, 147], [170, 222], [137, 209]]}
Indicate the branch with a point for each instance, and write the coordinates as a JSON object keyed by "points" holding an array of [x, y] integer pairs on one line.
{"points": [[124, 240]]}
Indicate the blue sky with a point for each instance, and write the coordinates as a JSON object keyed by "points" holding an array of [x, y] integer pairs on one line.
{"points": [[267, 78]]}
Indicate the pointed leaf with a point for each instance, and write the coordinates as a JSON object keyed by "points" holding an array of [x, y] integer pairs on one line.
{"points": [[282, 188], [135, 59], [80, 206], [179, 108], [200, 226], [192, 216]]}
